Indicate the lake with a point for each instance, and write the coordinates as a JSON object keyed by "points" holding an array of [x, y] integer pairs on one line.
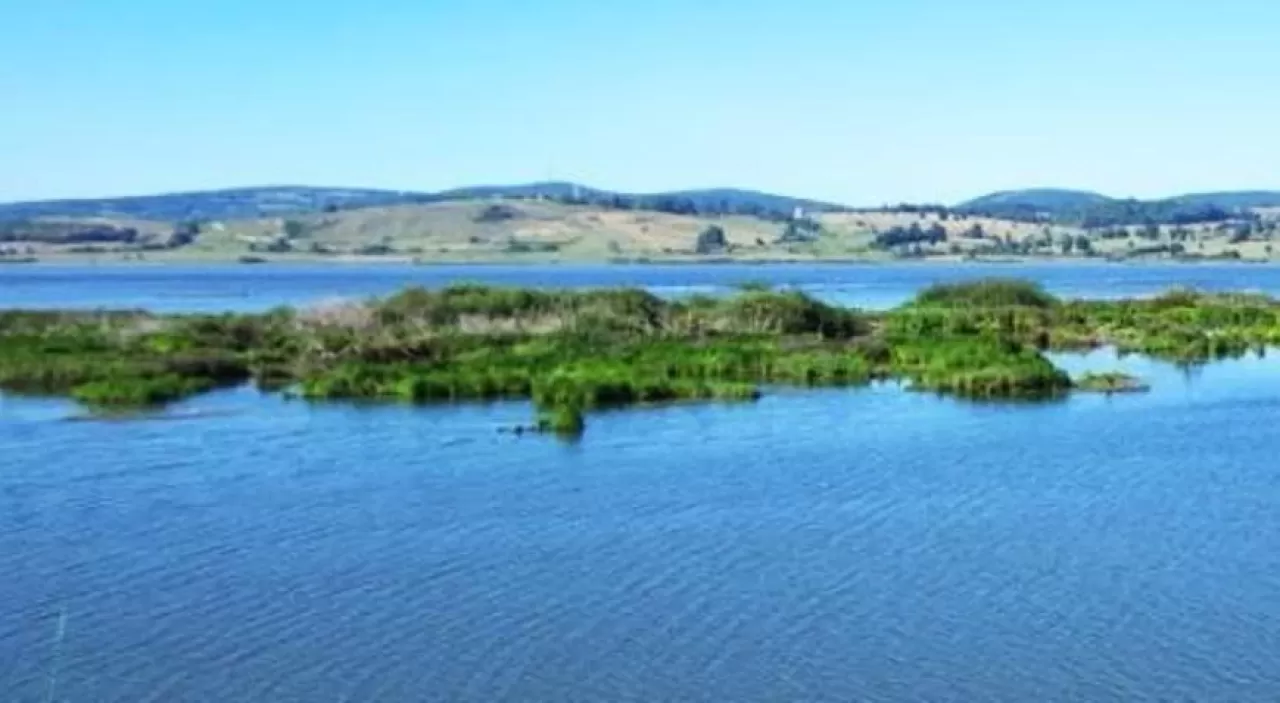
{"points": [[262, 286], [867, 544]]}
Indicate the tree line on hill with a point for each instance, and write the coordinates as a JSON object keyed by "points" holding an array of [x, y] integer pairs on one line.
{"points": [[675, 205], [285, 201], [1112, 213], [1089, 216], [1075, 208], [66, 233]]}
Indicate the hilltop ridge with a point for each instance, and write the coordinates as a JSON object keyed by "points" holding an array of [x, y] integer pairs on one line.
{"points": [[1089, 209], [284, 200], [567, 221], [1058, 205]]}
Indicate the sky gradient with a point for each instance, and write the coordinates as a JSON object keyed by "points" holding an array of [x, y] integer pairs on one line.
{"points": [[857, 102]]}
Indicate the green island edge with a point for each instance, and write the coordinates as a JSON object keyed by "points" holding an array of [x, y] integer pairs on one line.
{"points": [[572, 352]]}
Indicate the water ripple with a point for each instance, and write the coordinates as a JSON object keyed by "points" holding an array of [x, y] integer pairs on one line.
{"points": [[833, 545]]}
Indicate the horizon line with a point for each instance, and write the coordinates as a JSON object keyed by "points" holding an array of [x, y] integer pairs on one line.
{"points": [[611, 191]]}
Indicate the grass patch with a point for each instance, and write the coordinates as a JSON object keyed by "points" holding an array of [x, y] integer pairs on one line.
{"points": [[986, 293], [597, 349], [125, 392], [1110, 382]]}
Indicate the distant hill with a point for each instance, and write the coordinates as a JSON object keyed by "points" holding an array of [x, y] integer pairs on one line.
{"points": [[237, 203], [736, 198], [551, 190], [1036, 199], [1038, 205], [1089, 209], [700, 201], [280, 201], [1230, 200], [545, 228]]}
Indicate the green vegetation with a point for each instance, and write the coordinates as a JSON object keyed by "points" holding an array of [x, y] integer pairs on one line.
{"points": [[575, 352], [119, 359], [985, 294], [711, 240], [1092, 210], [563, 420], [130, 392], [982, 367], [1110, 382]]}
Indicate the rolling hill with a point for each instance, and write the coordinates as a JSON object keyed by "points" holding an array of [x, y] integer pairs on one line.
{"points": [[1230, 200], [1088, 209], [482, 229], [707, 200], [280, 201], [531, 230], [569, 222], [236, 203], [1035, 200]]}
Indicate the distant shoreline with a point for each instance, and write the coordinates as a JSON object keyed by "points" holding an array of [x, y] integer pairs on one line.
{"points": [[549, 232], [355, 260]]}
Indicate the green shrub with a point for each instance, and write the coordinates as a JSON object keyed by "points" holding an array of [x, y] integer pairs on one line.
{"points": [[563, 420], [139, 392], [986, 293]]}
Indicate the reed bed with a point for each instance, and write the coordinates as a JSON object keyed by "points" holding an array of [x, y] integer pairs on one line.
{"points": [[572, 352]]}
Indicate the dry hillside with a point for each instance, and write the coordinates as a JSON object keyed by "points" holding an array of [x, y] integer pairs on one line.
{"points": [[479, 230], [485, 229]]}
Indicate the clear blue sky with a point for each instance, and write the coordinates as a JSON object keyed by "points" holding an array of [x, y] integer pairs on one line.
{"points": [[852, 100]]}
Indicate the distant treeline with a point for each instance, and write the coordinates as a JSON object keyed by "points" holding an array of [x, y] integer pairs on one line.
{"points": [[94, 237], [1048, 206], [284, 201], [913, 234], [1088, 216], [66, 233], [674, 205], [1113, 213]]}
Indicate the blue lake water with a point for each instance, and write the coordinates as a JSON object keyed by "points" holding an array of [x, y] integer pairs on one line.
{"points": [[256, 287], [868, 544]]}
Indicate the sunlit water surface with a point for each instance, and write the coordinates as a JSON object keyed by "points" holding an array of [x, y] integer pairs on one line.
{"points": [[256, 287], [868, 544]]}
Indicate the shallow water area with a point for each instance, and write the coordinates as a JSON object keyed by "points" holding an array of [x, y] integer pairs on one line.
{"points": [[861, 544], [869, 544]]}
